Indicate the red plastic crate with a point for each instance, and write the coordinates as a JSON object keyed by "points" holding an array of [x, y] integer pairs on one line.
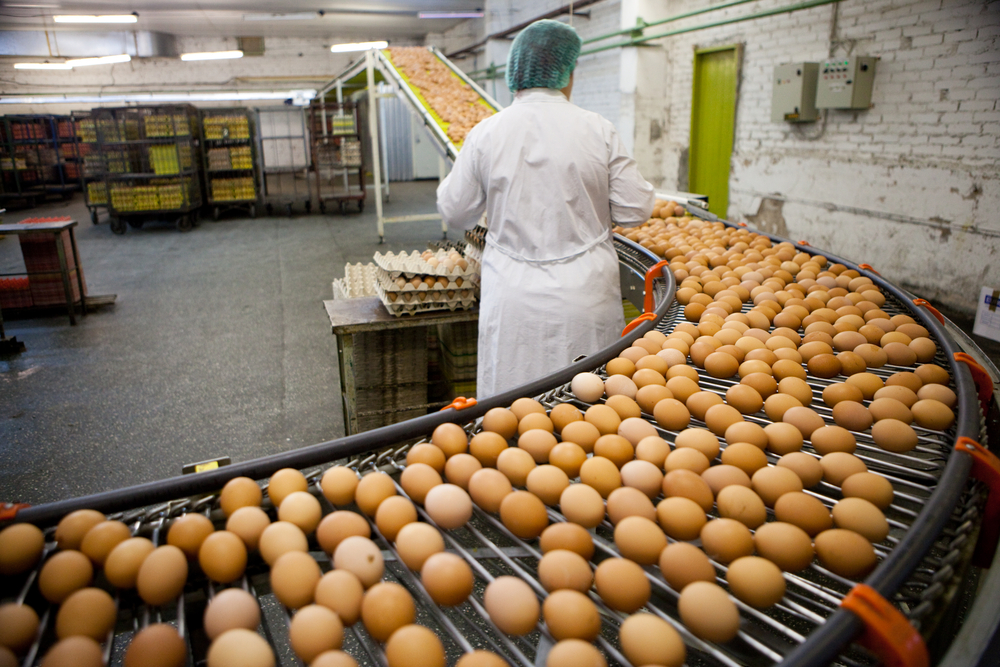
{"points": [[41, 255], [15, 293]]}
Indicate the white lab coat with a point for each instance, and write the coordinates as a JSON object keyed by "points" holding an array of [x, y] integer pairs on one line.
{"points": [[552, 179]]}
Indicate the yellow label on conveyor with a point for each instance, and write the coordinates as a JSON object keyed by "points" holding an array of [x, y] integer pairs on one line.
{"points": [[205, 467]]}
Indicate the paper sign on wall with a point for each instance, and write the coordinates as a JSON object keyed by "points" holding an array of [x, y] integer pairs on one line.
{"points": [[988, 314]]}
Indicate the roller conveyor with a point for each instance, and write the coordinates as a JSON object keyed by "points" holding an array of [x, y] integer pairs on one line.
{"points": [[935, 520]]}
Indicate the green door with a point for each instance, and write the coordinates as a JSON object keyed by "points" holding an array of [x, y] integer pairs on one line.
{"points": [[713, 113]]}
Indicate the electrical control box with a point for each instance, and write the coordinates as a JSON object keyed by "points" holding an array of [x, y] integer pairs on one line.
{"points": [[794, 95], [846, 84]]}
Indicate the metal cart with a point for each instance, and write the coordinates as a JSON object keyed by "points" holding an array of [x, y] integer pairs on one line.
{"points": [[283, 147], [26, 157], [153, 165], [935, 519], [230, 160], [338, 159], [91, 164]]}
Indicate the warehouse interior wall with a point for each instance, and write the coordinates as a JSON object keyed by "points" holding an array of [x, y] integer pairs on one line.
{"points": [[909, 186]]}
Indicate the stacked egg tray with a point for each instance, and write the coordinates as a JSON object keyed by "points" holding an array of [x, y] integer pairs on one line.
{"points": [[359, 281], [796, 630], [408, 284]]}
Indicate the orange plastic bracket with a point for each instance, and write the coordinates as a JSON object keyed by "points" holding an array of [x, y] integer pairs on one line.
{"points": [[651, 275], [927, 304], [645, 317], [984, 383], [805, 243], [868, 267], [460, 403], [9, 510], [887, 632], [742, 224], [986, 469]]}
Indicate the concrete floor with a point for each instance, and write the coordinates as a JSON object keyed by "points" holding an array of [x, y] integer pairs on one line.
{"points": [[218, 345]]}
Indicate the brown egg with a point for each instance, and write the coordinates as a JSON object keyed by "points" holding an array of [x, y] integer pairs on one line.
{"points": [[671, 414], [721, 365], [102, 538], [535, 420], [804, 419], [74, 526], [649, 640], [524, 514], [574, 653], [756, 581], [416, 542], [302, 509], [681, 518], [852, 416], [449, 506], [851, 363], [708, 613], [725, 540], [687, 484], [601, 474], [582, 433], [372, 490], [162, 575], [939, 393], [862, 517], [647, 397], [639, 539], [239, 492], [784, 544], [361, 557], [223, 556], [74, 652], [460, 468], [833, 439], [619, 366], [783, 438], [334, 529], [870, 486], [570, 614], [635, 429], [547, 482], [686, 458], [18, 626], [776, 405], [622, 584], [763, 383], [620, 385], [428, 454], [342, 592], [568, 457], [121, 567], [564, 569], [718, 418], [188, 531], [804, 511], [894, 436], [240, 648], [747, 432], [868, 383], [339, 484], [933, 374], [615, 448], [604, 418], [89, 612], [539, 443], [334, 659], [447, 579], [563, 414], [568, 536], [846, 553], [414, 640], [788, 368], [842, 391], [396, 512], [699, 403], [21, 547], [157, 645], [64, 573], [682, 563], [516, 464], [451, 439], [720, 476], [903, 394], [744, 398], [417, 479], [511, 605], [796, 388], [295, 574], [824, 365], [486, 446], [313, 630], [890, 408], [932, 414], [681, 386], [744, 456], [700, 439], [806, 466], [284, 482], [504, 422], [230, 609], [838, 466], [742, 504], [488, 487]]}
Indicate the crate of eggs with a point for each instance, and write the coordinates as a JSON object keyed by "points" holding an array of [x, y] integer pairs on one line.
{"points": [[416, 282], [446, 263]]}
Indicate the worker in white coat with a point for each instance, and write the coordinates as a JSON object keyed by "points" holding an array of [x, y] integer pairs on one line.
{"points": [[553, 179]]}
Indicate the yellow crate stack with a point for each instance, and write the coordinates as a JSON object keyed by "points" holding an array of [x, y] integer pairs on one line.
{"points": [[233, 189]]}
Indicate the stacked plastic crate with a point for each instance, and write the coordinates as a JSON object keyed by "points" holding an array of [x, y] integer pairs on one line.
{"points": [[41, 256]]}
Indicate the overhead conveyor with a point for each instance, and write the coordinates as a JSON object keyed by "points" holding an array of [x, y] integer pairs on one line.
{"points": [[378, 61]]}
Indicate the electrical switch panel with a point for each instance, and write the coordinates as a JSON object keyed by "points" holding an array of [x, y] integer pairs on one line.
{"points": [[846, 84], [794, 95]]}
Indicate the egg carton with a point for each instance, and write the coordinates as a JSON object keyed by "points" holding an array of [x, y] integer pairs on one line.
{"points": [[412, 264], [359, 281], [400, 307], [401, 284], [446, 245]]}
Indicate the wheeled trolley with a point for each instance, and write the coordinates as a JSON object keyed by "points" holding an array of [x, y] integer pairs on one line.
{"points": [[230, 160], [285, 161], [91, 163], [338, 159]]}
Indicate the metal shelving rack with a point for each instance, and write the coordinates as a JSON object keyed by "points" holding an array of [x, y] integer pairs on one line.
{"points": [[230, 160], [92, 166], [336, 154], [153, 170], [23, 141], [283, 147], [65, 177]]}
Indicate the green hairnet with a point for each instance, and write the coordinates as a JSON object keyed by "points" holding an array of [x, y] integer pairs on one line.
{"points": [[543, 56]]}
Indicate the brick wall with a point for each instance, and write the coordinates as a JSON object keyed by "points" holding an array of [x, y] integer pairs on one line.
{"points": [[910, 185]]}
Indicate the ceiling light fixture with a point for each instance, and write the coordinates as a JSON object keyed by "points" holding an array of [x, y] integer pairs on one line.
{"points": [[298, 97], [42, 66], [91, 18], [450, 15], [291, 16], [358, 46], [212, 55], [103, 60]]}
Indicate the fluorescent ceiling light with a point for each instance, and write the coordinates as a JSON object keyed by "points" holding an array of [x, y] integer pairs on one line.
{"points": [[212, 55], [450, 15], [291, 16], [298, 97], [42, 66], [359, 46], [91, 18], [103, 60]]}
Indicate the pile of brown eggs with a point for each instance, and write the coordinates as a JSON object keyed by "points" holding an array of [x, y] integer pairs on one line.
{"points": [[456, 103]]}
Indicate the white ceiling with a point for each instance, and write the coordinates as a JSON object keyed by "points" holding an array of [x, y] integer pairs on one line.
{"points": [[373, 19]]}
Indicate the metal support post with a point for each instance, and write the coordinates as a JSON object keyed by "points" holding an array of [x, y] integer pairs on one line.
{"points": [[442, 174], [373, 131]]}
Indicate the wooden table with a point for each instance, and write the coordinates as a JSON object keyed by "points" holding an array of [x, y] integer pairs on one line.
{"points": [[357, 323], [55, 228]]}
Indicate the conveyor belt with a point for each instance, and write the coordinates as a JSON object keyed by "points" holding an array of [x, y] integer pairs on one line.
{"points": [[934, 519]]}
